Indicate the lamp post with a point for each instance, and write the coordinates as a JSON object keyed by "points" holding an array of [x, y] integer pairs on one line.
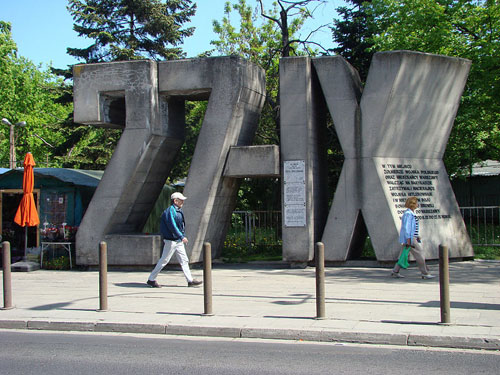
{"points": [[12, 141]]}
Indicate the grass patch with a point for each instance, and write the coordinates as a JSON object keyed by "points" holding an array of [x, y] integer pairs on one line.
{"points": [[487, 252], [263, 246], [484, 233]]}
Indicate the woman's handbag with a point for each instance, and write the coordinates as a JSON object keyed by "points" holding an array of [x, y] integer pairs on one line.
{"points": [[403, 258]]}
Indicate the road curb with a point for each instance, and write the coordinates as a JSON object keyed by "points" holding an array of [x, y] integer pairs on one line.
{"points": [[365, 338], [460, 342], [454, 342], [130, 328], [45, 325], [211, 331]]}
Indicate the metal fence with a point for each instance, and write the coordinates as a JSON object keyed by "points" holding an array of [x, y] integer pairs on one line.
{"points": [[483, 224], [264, 227]]}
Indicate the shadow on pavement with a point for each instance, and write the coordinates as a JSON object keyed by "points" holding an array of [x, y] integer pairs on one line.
{"points": [[465, 305]]}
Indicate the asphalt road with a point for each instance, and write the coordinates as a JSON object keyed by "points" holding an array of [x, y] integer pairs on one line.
{"points": [[32, 352]]}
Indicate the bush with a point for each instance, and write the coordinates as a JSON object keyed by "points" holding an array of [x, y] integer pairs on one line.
{"points": [[263, 247], [61, 263], [487, 252]]}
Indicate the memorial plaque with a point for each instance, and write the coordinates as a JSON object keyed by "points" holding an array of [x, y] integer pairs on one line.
{"points": [[295, 215], [294, 175], [405, 178], [294, 171]]}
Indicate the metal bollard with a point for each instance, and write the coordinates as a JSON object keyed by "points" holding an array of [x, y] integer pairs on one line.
{"points": [[103, 276], [444, 284], [207, 278], [320, 280], [7, 280]]}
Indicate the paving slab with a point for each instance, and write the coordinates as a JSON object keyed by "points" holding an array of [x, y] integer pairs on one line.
{"points": [[362, 304]]}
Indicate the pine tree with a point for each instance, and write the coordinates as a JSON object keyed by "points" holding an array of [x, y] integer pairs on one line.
{"points": [[131, 29], [351, 34]]}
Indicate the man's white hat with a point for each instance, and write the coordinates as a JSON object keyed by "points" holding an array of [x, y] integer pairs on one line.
{"points": [[178, 195]]}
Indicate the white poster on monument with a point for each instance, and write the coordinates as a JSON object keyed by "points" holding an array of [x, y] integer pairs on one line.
{"points": [[294, 195], [295, 215], [294, 171]]}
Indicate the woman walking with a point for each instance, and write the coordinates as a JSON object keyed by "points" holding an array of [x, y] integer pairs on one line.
{"points": [[409, 236]]}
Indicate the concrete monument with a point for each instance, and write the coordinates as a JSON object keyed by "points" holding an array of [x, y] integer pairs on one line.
{"points": [[146, 99], [393, 134]]}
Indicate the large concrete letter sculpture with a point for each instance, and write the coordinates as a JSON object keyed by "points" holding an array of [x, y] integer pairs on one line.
{"points": [[147, 100], [236, 95], [393, 142]]}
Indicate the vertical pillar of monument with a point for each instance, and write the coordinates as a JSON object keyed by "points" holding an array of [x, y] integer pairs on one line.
{"points": [[235, 90], [303, 154], [342, 89]]}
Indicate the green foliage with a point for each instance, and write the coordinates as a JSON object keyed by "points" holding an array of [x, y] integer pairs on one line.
{"points": [[368, 253], [257, 194], [121, 30], [86, 147], [8, 54], [263, 37], [468, 29], [162, 202], [351, 34], [259, 44], [28, 93], [61, 263], [195, 112], [487, 252], [484, 233], [263, 248], [131, 29]]}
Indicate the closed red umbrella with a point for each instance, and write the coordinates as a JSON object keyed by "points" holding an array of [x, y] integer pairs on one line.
{"points": [[27, 215]]}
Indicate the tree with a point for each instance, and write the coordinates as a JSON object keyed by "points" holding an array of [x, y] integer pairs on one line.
{"points": [[195, 113], [259, 44], [263, 36], [121, 30], [131, 29], [352, 37], [460, 28], [298, 12], [28, 94], [264, 43]]}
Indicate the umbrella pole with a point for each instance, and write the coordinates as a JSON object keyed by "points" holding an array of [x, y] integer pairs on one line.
{"points": [[25, 241]]}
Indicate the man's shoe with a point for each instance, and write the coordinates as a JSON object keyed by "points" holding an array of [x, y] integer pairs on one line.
{"points": [[195, 283], [397, 275], [153, 284], [428, 276]]}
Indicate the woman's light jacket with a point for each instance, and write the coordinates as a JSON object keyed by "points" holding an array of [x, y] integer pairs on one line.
{"points": [[408, 226]]}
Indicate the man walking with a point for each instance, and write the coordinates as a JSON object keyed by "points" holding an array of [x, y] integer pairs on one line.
{"points": [[172, 228]]}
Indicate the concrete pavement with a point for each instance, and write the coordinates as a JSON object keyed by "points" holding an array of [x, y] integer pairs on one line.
{"points": [[363, 304]]}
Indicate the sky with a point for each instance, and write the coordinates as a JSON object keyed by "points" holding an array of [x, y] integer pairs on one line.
{"points": [[43, 30]]}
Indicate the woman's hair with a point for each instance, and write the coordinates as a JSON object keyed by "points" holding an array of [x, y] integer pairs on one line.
{"points": [[411, 202]]}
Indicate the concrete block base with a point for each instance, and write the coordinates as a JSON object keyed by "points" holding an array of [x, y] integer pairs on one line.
{"points": [[133, 249]]}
